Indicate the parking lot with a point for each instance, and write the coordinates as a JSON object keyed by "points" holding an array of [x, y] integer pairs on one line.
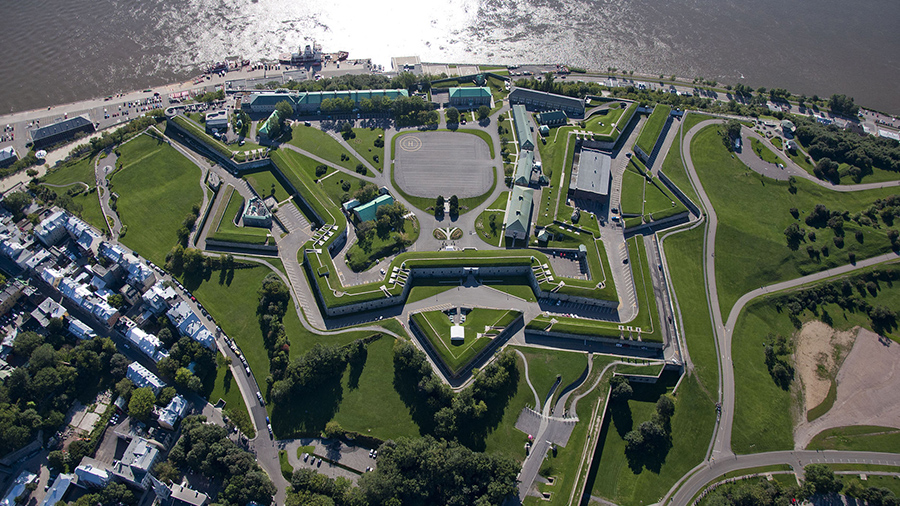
{"points": [[434, 163], [567, 263]]}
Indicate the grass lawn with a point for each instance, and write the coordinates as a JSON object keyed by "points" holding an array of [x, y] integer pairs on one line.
{"points": [[682, 251], [71, 172], [321, 144], [748, 232], [364, 145], [625, 483], [673, 166], [632, 193], [763, 412], [157, 187], [90, 210], [553, 155], [763, 151], [422, 291], [506, 439], [891, 483], [545, 365], [369, 404], [800, 158], [335, 185], [226, 389], [652, 128], [363, 254], [659, 203], [563, 210], [603, 124], [266, 185], [488, 234], [863, 438], [436, 326]]}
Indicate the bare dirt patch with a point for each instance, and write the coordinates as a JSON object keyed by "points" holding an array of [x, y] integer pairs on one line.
{"points": [[868, 389], [818, 353]]}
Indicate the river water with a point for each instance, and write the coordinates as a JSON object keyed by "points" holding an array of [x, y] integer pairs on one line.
{"points": [[57, 51]]}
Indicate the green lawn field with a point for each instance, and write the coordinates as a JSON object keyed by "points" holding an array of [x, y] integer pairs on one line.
{"points": [[364, 145], [682, 253], [863, 438], [486, 232], [321, 144], [763, 151], [652, 128], [266, 185], [617, 480], [157, 187], [226, 388], [748, 233]]}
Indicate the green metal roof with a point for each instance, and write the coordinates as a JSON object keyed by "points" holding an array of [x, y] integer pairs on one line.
{"points": [[523, 167], [470, 92], [518, 213], [273, 118], [552, 117], [367, 211], [523, 127]]}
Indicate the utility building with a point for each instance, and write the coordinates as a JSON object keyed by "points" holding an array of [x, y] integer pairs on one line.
{"points": [[593, 178], [552, 118]]}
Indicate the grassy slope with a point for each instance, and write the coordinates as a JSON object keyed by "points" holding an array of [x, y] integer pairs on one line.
{"points": [[692, 427], [632, 193], [652, 128], [267, 185], [763, 412], [859, 438], [682, 251], [82, 170], [748, 232], [226, 388], [552, 157], [763, 151], [364, 145], [673, 166], [157, 187], [322, 145]]}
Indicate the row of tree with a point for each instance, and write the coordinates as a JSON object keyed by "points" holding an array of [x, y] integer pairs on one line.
{"points": [[820, 481]]}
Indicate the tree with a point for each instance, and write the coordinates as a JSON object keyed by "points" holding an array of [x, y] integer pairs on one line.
{"points": [[820, 480], [453, 115], [794, 235], [141, 404], [454, 206], [620, 389], [483, 112], [285, 111], [366, 194], [16, 202], [116, 300], [56, 460], [26, 343], [321, 170], [439, 207], [842, 104], [165, 396], [333, 430]]}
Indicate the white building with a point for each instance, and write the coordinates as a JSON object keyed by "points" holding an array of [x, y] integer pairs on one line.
{"points": [[189, 324], [142, 377], [80, 330], [92, 473], [158, 297], [171, 414], [17, 488], [58, 490], [146, 342], [52, 229], [136, 463]]}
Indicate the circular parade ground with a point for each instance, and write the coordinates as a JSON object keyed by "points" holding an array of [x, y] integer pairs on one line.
{"points": [[428, 164]]}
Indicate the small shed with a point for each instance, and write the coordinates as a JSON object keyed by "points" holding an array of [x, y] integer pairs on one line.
{"points": [[457, 333]]}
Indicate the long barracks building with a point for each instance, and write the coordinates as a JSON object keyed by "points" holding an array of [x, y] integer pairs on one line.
{"points": [[307, 102]]}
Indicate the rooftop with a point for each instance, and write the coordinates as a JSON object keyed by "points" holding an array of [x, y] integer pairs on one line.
{"points": [[593, 172], [76, 123]]}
